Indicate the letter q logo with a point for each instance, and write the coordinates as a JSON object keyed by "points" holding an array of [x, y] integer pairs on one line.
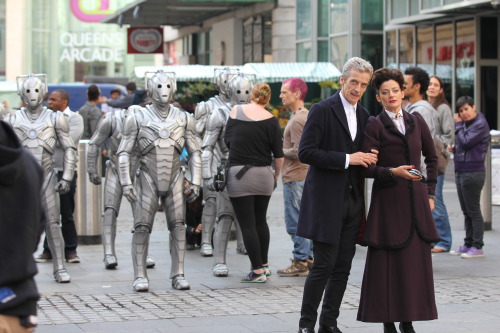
{"points": [[90, 10]]}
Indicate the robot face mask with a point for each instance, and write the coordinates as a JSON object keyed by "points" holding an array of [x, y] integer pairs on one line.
{"points": [[161, 87], [221, 81], [32, 92], [239, 89]]}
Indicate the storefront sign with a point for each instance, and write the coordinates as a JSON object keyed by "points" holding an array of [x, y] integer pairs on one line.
{"points": [[91, 46], [90, 11], [145, 40]]}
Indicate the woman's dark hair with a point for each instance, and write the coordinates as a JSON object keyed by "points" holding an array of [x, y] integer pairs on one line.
{"points": [[441, 98], [386, 74], [93, 92], [461, 101]]}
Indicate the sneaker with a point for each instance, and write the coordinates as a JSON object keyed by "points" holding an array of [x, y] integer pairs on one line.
{"points": [[473, 253], [73, 258], [437, 249], [44, 257], [461, 250], [297, 268], [254, 278], [267, 270]]}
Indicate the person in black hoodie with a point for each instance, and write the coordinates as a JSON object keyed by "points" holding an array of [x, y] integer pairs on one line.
{"points": [[21, 225]]}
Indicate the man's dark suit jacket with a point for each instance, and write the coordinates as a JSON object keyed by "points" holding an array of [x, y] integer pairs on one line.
{"points": [[324, 144]]}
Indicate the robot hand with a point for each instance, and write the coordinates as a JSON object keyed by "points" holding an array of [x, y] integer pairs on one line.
{"points": [[208, 184], [129, 193], [63, 186], [192, 193], [94, 178]]}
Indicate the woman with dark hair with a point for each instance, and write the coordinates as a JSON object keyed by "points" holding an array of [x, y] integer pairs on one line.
{"points": [[90, 113], [253, 136], [398, 281], [445, 133], [472, 137]]}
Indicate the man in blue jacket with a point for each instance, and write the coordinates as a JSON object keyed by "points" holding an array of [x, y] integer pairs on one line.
{"points": [[332, 204]]}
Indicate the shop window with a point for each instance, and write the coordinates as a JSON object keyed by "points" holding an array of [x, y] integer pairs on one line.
{"points": [[339, 16], [406, 48], [339, 52], [323, 18], [425, 48], [444, 52], [390, 40], [399, 8], [304, 52], [465, 54], [448, 2], [414, 10], [489, 24], [426, 4], [304, 19], [323, 50], [257, 38], [372, 15]]}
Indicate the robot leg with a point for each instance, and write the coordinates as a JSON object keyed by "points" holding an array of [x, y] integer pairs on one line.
{"points": [[221, 238], [208, 222], [144, 211], [112, 200], [53, 231], [175, 211]]}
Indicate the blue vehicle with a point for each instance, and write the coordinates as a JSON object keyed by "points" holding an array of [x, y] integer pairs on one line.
{"points": [[78, 91]]}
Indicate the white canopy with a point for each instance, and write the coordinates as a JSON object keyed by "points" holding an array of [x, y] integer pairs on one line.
{"points": [[265, 72]]}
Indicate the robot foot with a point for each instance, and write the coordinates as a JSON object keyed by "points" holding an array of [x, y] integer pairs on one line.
{"points": [[62, 276], [220, 270], [241, 249], [179, 282], [110, 261], [150, 263], [206, 250], [141, 284]]}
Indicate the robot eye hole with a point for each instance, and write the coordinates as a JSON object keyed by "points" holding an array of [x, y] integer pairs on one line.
{"points": [[36, 90], [238, 92], [247, 92], [159, 86], [28, 91], [168, 86]]}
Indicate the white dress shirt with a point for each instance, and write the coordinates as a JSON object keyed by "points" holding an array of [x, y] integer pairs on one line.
{"points": [[398, 120], [352, 122]]}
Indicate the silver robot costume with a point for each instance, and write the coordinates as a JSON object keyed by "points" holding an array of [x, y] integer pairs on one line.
{"points": [[239, 88], [161, 131], [201, 115], [110, 127], [40, 129]]}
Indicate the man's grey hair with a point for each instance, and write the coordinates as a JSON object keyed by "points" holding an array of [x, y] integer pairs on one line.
{"points": [[356, 64]]}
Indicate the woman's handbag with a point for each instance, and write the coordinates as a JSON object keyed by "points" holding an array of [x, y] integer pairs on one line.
{"points": [[442, 154]]}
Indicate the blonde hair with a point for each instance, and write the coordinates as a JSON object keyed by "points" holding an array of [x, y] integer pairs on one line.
{"points": [[261, 94]]}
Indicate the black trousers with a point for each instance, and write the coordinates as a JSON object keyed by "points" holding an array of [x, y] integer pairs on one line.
{"points": [[68, 227], [331, 269]]}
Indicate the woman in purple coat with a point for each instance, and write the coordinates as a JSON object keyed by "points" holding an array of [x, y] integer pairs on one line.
{"points": [[398, 283]]}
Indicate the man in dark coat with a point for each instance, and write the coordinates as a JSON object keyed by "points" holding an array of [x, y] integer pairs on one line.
{"points": [[332, 204]]}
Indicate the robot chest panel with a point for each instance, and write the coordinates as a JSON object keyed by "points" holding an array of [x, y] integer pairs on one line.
{"points": [[38, 134], [161, 134]]}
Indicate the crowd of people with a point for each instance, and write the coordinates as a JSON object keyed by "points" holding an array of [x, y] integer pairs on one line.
{"points": [[220, 167]]}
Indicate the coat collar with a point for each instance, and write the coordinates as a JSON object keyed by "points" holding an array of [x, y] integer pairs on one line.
{"points": [[389, 124], [338, 110]]}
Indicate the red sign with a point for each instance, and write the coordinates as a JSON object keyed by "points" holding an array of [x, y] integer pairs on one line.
{"points": [[145, 40]]}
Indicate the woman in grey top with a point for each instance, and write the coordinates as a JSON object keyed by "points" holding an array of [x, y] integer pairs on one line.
{"points": [[445, 132]]}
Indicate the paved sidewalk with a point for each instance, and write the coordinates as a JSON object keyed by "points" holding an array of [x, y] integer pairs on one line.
{"points": [[100, 300]]}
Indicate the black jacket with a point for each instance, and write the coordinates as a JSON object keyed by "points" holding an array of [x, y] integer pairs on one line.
{"points": [[21, 224]]}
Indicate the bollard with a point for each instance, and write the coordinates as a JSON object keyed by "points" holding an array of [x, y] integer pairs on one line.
{"points": [[88, 201]]}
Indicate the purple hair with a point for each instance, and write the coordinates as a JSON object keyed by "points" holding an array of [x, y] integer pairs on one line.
{"points": [[296, 84]]}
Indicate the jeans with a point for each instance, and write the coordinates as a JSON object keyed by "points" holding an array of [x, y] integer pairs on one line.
{"points": [[440, 215], [469, 186], [292, 194]]}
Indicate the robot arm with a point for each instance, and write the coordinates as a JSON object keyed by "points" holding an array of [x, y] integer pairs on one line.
{"points": [[61, 126], [200, 117], [213, 131], [194, 151], [125, 151], [103, 131]]}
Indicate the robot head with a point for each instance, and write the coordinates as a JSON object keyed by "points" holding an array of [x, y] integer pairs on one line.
{"points": [[161, 87], [222, 78], [32, 89], [239, 88]]}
